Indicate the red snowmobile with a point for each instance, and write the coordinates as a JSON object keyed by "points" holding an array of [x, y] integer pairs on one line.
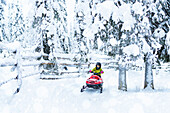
{"points": [[94, 82]]}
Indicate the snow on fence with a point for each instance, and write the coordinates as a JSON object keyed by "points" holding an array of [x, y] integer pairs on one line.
{"points": [[165, 67], [65, 67], [19, 62], [14, 48], [69, 65]]}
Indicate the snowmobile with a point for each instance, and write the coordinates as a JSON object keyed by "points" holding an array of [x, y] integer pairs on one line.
{"points": [[94, 82]]}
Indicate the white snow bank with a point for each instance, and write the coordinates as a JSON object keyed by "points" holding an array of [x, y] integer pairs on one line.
{"points": [[6, 74], [131, 50]]}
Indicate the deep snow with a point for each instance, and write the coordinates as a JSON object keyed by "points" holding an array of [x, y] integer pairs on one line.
{"points": [[64, 96]]}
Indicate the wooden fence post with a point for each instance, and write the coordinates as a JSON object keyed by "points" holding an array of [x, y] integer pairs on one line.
{"points": [[19, 68]]}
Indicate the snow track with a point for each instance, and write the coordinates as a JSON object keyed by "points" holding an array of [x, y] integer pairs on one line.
{"points": [[64, 96]]}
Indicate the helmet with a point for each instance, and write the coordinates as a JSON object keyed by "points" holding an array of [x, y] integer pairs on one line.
{"points": [[98, 63]]}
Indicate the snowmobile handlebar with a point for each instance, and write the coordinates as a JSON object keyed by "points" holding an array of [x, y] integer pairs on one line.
{"points": [[94, 72]]}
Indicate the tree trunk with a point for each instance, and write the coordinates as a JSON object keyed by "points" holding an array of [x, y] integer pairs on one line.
{"points": [[148, 72], [122, 66], [122, 78]]}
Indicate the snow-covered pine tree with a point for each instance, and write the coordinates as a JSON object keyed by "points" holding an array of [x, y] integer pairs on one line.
{"points": [[60, 21], [14, 26], [50, 21], [2, 34], [92, 20], [83, 20], [104, 35], [160, 21], [150, 28], [42, 22], [2, 24], [125, 26]]}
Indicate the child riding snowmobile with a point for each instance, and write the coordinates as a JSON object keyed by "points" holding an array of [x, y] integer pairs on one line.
{"points": [[97, 70], [95, 81]]}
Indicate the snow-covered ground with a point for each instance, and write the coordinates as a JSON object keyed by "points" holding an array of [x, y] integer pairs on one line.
{"points": [[64, 96]]}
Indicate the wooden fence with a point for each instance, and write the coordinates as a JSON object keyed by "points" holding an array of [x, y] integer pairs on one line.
{"points": [[17, 63]]}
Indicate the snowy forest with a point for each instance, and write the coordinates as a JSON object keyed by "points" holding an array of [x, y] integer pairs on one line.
{"points": [[48, 47]]}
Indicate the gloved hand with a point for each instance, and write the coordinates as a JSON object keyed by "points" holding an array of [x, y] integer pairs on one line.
{"points": [[90, 71]]}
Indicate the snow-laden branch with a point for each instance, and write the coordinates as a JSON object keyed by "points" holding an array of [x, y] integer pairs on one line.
{"points": [[131, 50], [123, 13]]}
